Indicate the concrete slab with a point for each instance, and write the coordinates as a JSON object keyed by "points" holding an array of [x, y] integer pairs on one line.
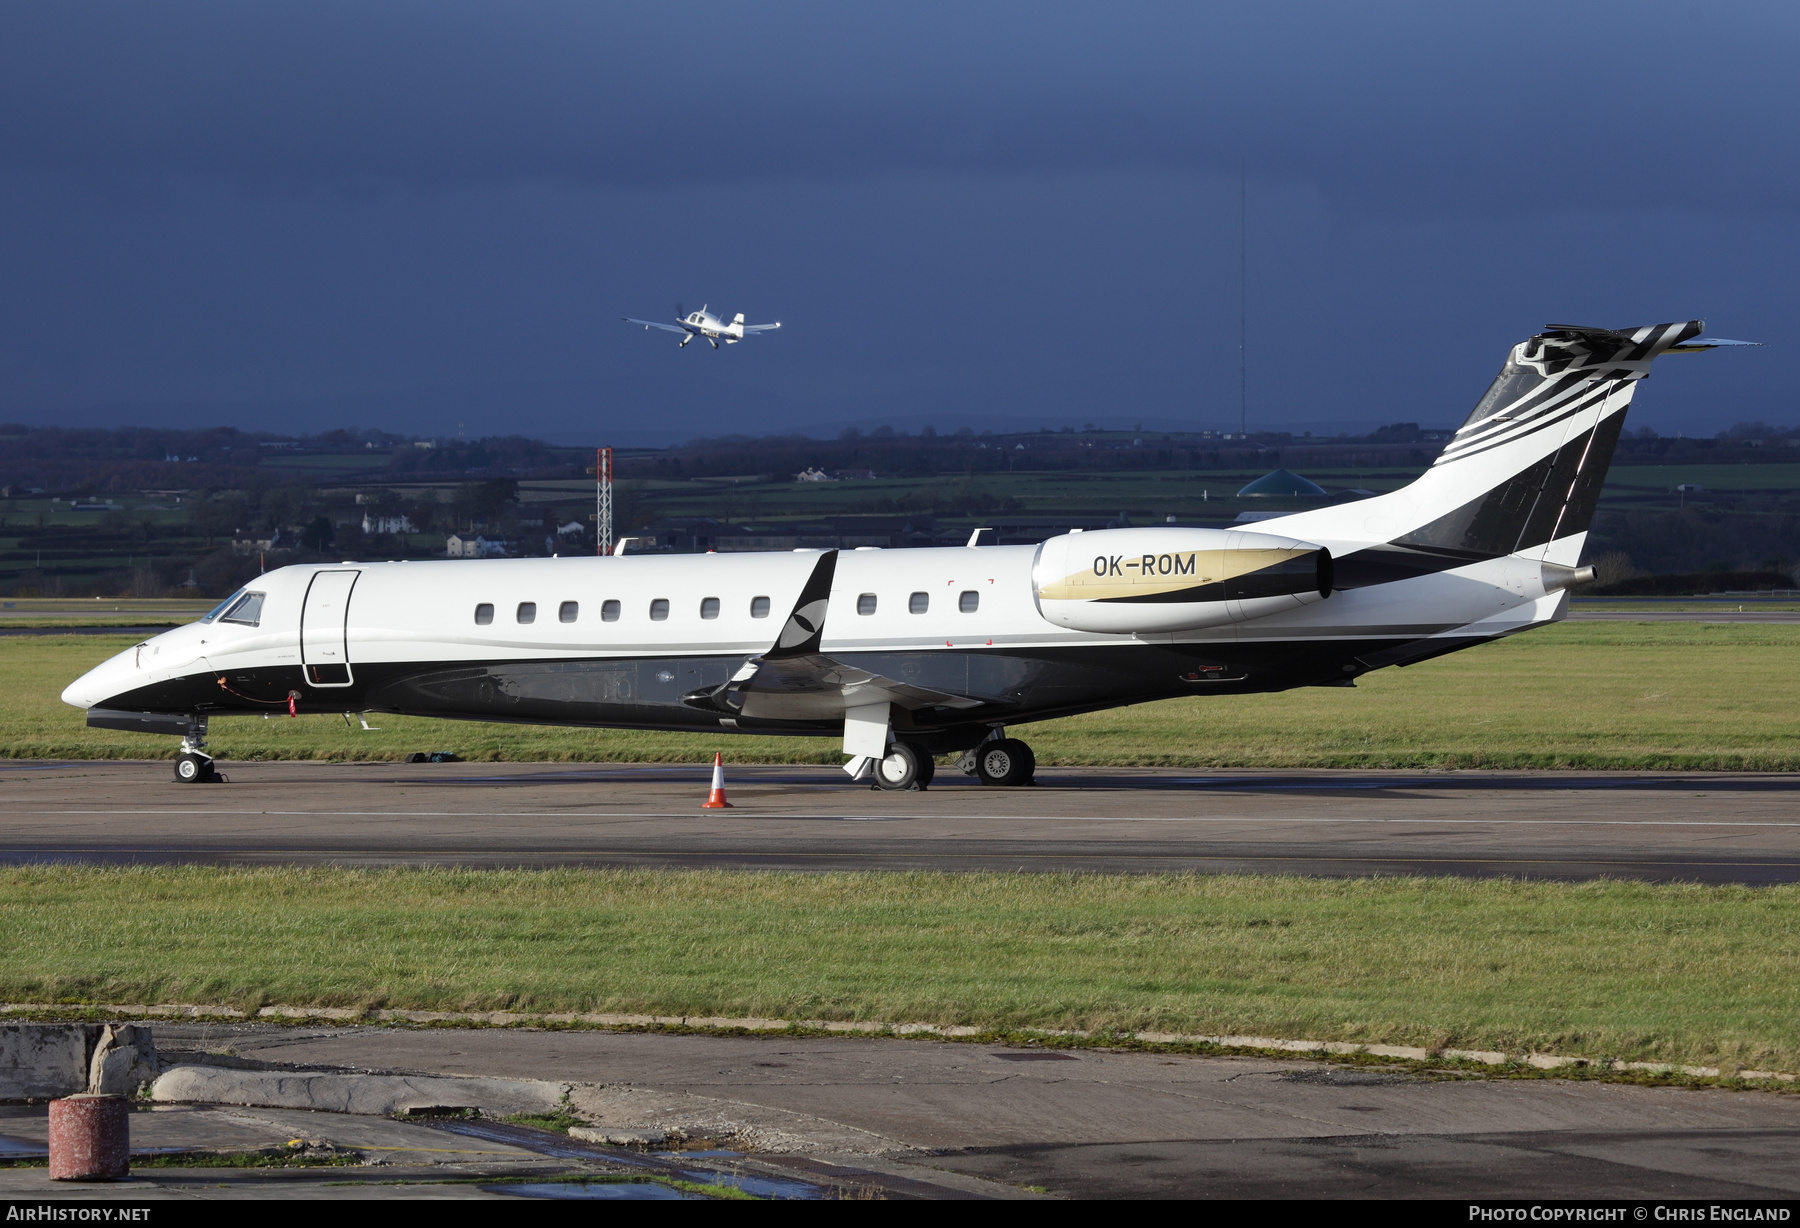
{"points": [[1112, 1124], [377, 1095]]}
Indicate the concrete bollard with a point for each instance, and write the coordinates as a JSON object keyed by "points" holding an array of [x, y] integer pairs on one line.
{"points": [[90, 1138]]}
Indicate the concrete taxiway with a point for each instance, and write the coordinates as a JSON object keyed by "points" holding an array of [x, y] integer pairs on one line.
{"points": [[1714, 827], [934, 1119]]}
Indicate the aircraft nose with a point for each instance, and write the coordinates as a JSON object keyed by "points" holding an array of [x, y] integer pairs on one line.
{"points": [[105, 680]]}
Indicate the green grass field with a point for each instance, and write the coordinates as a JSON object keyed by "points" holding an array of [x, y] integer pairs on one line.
{"points": [[1613, 695], [1685, 974]]}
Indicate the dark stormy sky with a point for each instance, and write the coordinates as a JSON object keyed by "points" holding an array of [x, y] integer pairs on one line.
{"points": [[410, 216]]}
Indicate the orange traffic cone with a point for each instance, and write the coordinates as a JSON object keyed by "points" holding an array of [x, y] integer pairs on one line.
{"points": [[717, 800]]}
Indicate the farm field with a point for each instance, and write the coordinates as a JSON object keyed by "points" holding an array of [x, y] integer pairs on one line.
{"points": [[1601, 695], [1675, 973], [1664, 478]]}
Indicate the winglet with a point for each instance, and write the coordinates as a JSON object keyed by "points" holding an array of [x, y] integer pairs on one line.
{"points": [[805, 627]]}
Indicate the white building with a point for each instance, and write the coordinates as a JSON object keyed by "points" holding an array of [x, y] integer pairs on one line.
{"points": [[458, 547], [387, 524]]}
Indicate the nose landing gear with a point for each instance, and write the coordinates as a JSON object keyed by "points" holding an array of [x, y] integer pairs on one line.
{"points": [[193, 766]]}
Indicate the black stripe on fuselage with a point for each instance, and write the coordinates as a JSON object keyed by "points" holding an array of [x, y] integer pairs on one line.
{"points": [[660, 693]]}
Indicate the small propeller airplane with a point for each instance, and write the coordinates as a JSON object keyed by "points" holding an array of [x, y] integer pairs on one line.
{"points": [[704, 323]]}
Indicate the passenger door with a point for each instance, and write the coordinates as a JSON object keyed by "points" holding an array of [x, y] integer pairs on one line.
{"points": [[324, 647]]}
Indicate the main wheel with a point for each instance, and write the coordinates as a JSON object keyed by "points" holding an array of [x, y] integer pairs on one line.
{"points": [[192, 769], [1007, 761], [901, 768]]}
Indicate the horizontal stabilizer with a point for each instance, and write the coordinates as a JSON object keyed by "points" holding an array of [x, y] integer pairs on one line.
{"points": [[1705, 343]]}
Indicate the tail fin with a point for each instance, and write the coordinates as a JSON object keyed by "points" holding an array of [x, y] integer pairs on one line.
{"points": [[1523, 473], [738, 318]]}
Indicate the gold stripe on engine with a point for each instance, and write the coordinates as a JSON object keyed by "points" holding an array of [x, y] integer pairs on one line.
{"points": [[1141, 575]]}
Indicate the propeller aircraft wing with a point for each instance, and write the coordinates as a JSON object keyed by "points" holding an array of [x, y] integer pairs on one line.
{"points": [[667, 328]]}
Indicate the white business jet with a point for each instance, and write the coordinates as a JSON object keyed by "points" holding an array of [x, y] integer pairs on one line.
{"points": [[911, 654], [704, 323]]}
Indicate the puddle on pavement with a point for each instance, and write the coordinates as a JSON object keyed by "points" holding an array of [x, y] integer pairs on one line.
{"points": [[762, 1187], [619, 1191], [15, 1147], [672, 1162]]}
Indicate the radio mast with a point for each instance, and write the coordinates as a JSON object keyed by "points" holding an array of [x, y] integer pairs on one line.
{"points": [[603, 501]]}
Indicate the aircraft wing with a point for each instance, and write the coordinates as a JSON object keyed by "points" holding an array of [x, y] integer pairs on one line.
{"points": [[667, 328], [819, 687], [758, 328], [793, 680]]}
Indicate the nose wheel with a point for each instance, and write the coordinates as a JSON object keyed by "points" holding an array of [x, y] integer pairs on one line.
{"points": [[193, 768]]}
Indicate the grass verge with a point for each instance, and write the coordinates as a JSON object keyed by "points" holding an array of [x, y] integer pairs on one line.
{"points": [[1686, 974], [1684, 696]]}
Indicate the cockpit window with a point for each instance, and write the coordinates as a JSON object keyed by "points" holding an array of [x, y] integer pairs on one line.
{"points": [[247, 610], [223, 606]]}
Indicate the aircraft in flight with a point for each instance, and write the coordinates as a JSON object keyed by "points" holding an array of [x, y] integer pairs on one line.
{"points": [[704, 323], [911, 654]]}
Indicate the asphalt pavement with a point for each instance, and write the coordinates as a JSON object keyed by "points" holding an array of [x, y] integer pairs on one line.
{"points": [[1706, 827]]}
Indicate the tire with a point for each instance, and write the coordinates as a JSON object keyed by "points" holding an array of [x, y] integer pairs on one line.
{"points": [[927, 768], [192, 769], [1007, 761], [900, 768]]}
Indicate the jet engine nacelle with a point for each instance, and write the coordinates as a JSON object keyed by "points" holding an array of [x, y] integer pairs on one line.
{"points": [[1125, 581]]}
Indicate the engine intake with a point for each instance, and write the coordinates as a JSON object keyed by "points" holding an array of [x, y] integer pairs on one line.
{"points": [[1125, 581]]}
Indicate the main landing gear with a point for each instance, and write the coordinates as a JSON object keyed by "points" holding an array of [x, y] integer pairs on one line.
{"points": [[193, 766], [997, 761], [1001, 761], [905, 766]]}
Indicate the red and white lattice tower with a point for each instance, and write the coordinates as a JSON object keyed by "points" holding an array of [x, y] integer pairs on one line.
{"points": [[603, 501]]}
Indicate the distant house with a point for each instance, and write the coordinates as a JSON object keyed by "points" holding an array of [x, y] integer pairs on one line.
{"points": [[459, 547], [809, 474], [387, 524]]}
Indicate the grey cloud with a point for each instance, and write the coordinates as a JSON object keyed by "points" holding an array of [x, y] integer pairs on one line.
{"points": [[1401, 109]]}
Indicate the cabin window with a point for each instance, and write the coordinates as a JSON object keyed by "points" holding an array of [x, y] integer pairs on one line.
{"points": [[484, 614], [659, 609], [865, 604], [248, 611], [569, 611], [609, 611], [759, 607], [969, 602], [709, 607], [527, 611], [918, 603]]}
